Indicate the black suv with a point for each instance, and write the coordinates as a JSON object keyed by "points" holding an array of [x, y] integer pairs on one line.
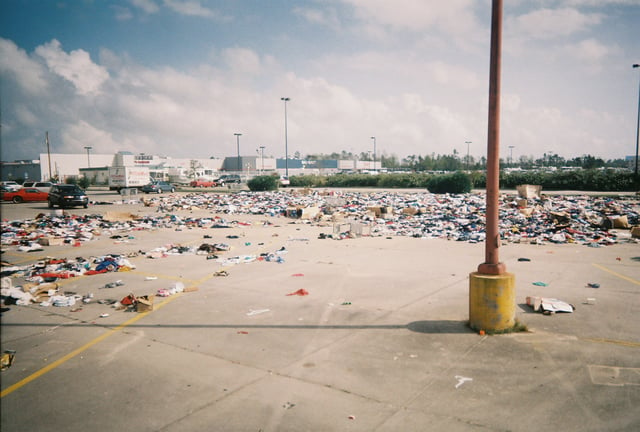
{"points": [[228, 178], [64, 195]]}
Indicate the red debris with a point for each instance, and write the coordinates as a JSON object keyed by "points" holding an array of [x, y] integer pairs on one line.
{"points": [[300, 292]]}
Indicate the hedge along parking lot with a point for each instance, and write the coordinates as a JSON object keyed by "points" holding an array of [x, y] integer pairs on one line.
{"points": [[241, 341]]}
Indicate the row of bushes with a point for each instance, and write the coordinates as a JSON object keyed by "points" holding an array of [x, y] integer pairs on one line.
{"points": [[459, 182], [583, 180], [451, 183]]}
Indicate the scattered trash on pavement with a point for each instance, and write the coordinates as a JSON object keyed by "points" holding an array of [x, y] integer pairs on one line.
{"points": [[7, 358], [300, 292], [461, 380], [549, 305], [257, 311]]}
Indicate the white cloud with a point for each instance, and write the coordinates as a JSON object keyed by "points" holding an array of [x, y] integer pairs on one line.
{"points": [[601, 3], [122, 13], [417, 93], [76, 135], [25, 116], [591, 50], [148, 6], [452, 16], [552, 23], [326, 17], [76, 67], [242, 61], [190, 8], [27, 73]]}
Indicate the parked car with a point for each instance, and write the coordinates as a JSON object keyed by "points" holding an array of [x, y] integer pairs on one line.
{"points": [[42, 186], [25, 194], [227, 178], [201, 183], [284, 181], [158, 187], [10, 184], [67, 195]]}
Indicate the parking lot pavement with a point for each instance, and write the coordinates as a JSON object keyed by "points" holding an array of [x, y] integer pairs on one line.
{"points": [[380, 342]]}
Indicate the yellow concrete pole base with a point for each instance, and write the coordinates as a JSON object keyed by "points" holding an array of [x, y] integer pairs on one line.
{"points": [[492, 302]]}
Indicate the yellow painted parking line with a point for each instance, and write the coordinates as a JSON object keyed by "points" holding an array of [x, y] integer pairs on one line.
{"points": [[82, 349], [88, 345], [621, 276], [102, 337], [614, 342]]}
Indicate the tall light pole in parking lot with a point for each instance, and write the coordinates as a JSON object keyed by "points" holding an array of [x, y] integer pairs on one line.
{"points": [[286, 144], [374, 152], [262, 159], [238, 135], [87, 148], [637, 126], [491, 288], [467, 143]]}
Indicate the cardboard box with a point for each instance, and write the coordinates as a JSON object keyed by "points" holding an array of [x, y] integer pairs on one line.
{"points": [[51, 241], [144, 303], [529, 191]]}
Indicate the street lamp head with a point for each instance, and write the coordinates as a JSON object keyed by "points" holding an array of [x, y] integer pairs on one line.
{"points": [[238, 134], [285, 99], [636, 65]]}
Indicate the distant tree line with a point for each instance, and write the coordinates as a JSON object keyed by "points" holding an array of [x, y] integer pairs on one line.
{"points": [[456, 161]]}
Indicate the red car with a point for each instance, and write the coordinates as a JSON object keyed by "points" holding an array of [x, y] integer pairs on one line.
{"points": [[25, 194], [201, 183]]}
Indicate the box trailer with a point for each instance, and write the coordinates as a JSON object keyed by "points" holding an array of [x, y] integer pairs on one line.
{"points": [[124, 177]]}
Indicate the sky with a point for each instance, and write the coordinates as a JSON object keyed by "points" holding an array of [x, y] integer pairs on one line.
{"points": [[179, 78]]}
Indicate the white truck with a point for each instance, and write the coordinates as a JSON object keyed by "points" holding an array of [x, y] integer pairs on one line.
{"points": [[128, 177]]}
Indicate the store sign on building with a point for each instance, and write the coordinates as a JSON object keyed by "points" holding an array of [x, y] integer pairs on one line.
{"points": [[142, 159]]}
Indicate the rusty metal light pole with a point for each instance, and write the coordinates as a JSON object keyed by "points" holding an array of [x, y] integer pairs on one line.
{"points": [[491, 288], [492, 264]]}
